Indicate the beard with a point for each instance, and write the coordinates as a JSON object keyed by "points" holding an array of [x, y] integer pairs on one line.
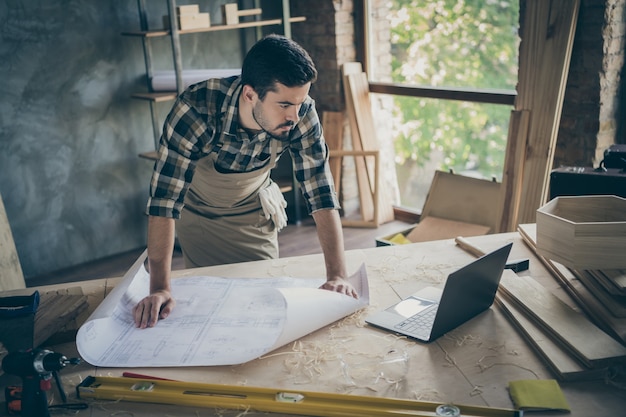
{"points": [[278, 132]]}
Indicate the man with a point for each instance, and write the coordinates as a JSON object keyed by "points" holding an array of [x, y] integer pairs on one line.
{"points": [[219, 143]]}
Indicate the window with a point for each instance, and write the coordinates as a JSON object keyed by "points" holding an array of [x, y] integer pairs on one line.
{"points": [[446, 73]]}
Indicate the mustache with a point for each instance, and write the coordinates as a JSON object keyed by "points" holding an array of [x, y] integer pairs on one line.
{"points": [[290, 123]]}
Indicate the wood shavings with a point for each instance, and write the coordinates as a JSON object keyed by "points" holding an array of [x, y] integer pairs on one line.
{"points": [[394, 268], [428, 395], [465, 340], [433, 274], [243, 413], [329, 360], [278, 268], [306, 365], [355, 319], [451, 361], [483, 367], [497, 348]]}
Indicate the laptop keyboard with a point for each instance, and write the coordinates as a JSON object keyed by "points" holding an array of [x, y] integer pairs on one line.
{"points": [[420, 324]]}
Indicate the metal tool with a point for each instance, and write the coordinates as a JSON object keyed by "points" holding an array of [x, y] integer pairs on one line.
{"points": [[36, 368], [516, 265], [266, 399]]}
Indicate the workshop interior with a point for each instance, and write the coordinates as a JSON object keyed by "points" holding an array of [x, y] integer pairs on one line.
{"points": [[516, 141]]}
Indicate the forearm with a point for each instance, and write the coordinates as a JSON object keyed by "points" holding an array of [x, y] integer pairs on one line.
{"points": [[161, 232], [330, 235]]}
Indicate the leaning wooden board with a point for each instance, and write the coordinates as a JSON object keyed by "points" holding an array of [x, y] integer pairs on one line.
{"points": [[363, 172], [332, 125], [11, 275], [363, 131]]}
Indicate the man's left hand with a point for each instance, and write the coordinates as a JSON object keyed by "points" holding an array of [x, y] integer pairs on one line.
{"points": [[340, 285]]}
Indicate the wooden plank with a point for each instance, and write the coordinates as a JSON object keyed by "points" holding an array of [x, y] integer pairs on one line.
{"points": [[332, 125], [356, 88], [561, 363], [56, 310], [608, 282], [513, 174], [548, 35], [617, 277], [359, 88], [571, 328], [366, 206], [11, 275], [615, 304]]}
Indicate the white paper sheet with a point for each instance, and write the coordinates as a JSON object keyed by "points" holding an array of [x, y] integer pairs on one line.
{"points": [[217, 321]]}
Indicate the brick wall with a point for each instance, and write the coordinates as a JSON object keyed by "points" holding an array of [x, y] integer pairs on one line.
{"points": [[330, 37], [591, 119]]}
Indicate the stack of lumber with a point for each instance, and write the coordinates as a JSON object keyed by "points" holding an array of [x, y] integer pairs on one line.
{"points": [[575, 345]]}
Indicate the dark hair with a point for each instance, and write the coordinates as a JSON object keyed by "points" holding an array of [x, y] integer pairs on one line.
{"points": [[275, 59]]}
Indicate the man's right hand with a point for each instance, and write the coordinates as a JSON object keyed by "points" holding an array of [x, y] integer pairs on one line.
{"points": [[154, 307]]}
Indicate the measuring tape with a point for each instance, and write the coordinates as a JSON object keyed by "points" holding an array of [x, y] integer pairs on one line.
{"points": [[267, 399]]}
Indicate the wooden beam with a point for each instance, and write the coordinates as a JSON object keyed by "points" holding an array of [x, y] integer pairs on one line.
{"points": [[506, 97], [332, 126], [511, 190], [365, 205], [548, 29], [373, 195]]}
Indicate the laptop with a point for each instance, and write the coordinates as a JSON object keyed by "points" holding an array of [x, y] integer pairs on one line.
{"points": [[467, 292]]}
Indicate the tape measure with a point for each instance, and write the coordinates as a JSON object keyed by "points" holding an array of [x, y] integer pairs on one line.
{"points": [[266, 399]]}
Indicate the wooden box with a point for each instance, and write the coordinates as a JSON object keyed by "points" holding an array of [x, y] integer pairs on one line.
{"points": [[188, 9], [456, 205], [194, 21], [231, 15], [583, 232]]}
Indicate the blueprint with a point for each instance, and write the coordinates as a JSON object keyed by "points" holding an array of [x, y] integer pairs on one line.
{"points": [[217, 321]]}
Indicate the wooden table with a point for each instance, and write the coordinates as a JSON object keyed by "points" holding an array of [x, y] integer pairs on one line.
{"points": [[471, 365]]}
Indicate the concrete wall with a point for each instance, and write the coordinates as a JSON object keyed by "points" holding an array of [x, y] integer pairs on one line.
{"points": [[72, 184]]}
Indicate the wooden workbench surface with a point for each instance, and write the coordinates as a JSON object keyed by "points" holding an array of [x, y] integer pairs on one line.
{"points": [[471, 365]]}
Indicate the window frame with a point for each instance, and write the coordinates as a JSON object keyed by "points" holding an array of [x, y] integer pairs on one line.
{"points": [[474, 95]]}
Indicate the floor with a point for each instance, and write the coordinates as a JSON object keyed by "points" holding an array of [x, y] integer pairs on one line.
{"points": [[294, 240]]}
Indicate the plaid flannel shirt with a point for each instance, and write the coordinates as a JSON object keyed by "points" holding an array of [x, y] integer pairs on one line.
{"points": [[193, 130]]}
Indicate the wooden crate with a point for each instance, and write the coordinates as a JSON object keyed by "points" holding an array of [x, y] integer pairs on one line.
{"points": [[583, 232]]}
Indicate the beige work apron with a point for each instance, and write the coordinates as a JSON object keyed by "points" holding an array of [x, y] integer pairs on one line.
{"points": [[223, 221]]}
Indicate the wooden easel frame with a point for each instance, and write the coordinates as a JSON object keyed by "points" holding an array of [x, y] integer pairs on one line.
{"points": [[374, 192]]}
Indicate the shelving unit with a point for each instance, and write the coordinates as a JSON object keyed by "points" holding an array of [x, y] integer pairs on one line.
{"points": [[153, 97]]}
